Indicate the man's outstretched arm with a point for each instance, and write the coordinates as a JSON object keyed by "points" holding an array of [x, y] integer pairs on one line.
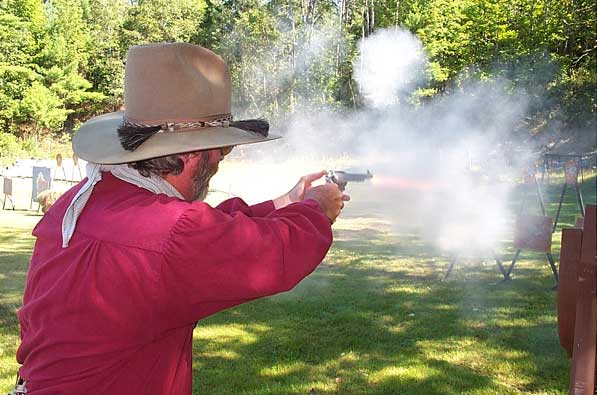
{"points": [[214, 260]]}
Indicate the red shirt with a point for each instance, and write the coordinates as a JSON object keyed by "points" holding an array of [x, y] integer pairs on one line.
{"points": [[114, 312]]}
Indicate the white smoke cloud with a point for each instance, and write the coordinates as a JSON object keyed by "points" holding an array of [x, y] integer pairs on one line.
{"points": [[443, 169], [389, 65]]}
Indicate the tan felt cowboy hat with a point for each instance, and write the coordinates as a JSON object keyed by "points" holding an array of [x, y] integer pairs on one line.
{"points": [[177, 99]]}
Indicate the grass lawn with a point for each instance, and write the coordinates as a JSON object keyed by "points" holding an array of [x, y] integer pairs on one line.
{"points": [[373, 319]]}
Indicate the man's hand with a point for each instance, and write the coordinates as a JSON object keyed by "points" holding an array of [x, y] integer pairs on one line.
{"points": [[329, 196], [297, 194], [330, 199]]}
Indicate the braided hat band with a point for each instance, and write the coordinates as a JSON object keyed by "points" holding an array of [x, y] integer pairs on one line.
{"points": [[133, 134], [180, 126]]}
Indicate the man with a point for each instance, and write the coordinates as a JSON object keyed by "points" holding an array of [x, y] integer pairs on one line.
{"points": [[127, 261]]}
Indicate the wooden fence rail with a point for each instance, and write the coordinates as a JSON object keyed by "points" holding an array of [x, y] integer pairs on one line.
{"points": [[577, 302]]}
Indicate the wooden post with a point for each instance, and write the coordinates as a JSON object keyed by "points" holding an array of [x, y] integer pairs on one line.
{"points": [[582, 375], [567, 288]]}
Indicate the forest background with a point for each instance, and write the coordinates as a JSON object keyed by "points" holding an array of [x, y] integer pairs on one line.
{"points": [[62, 61]]}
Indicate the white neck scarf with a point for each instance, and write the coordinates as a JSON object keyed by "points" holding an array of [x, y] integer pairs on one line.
{"points": [[154, 184]]}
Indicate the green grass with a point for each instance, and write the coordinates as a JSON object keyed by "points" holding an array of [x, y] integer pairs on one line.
{"points": [[16, 243], [373, 319]]}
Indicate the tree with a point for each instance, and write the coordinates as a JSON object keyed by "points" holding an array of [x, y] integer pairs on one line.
{"points": [[21, 28], [68, 38], [152, 21], [284, 54], [105, 68], [42, 109]]}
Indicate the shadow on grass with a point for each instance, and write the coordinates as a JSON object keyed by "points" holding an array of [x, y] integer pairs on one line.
{"points": [[357, 327], [373, 319]]}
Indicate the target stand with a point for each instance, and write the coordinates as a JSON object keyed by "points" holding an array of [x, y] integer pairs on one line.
{"points": [[455, 259], [532, 232], [7, 190], [571, 169], [59, 168], [76, 168]]}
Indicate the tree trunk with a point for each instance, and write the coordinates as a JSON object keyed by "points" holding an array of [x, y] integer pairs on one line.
{"points": [[397, 15], [342, 4], [312, 18], [372, 24], [366, 19], [293, 59]]}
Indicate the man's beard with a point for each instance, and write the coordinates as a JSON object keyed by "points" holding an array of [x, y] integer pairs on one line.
{"points": [[205, 171]]}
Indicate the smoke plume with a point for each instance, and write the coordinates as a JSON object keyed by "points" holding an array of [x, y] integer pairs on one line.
{"points": [[443, 167]]}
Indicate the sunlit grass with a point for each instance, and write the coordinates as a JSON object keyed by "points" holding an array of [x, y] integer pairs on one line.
{"points": [[374, 318], [16, 243]]}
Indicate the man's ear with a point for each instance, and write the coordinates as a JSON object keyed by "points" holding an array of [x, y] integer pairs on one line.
{"points": [[188, 156], [213, 155]]}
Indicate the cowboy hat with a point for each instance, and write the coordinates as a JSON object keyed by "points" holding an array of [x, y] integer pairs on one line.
{"points": [[177, 99]]}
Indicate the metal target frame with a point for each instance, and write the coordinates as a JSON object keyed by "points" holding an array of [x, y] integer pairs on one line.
{"points": [[532, 232]]}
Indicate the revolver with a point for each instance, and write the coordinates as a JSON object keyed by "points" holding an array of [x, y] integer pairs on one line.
{"points": [[341, 177]]}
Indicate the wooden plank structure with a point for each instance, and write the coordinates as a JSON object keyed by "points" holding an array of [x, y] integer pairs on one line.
{"points": [[577, 302]]}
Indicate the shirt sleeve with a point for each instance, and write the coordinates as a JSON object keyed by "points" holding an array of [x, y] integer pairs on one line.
{"points": [[236, 204], [214, 260]]}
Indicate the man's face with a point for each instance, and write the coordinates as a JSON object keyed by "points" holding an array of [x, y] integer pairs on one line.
{"points": [[206, 168]]}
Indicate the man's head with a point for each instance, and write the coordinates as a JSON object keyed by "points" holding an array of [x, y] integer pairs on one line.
{"points": [[189, 173]]}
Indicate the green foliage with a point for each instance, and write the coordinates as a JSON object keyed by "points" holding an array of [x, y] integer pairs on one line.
{"points": [[67, 39], [218, 21], [43, 55], [73, 90], [14, 81], [105, 68], [17, 42], [285, 54], [578, 92], [162, 20], [10, 149], [42, 108], [281, 61], [20, 24], [42, 147]]}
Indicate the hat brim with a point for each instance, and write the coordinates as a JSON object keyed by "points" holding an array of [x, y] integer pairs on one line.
{"points": [[97, 141]]}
